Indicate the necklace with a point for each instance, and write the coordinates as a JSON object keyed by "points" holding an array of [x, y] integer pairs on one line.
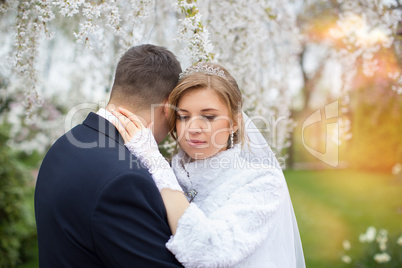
{"points": [[190, 193]]}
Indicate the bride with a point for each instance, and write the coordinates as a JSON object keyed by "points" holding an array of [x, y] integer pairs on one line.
{"points": [[227, 201]]}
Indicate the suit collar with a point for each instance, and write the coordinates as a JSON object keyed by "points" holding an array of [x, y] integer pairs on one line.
{"points": [[103, 126]]}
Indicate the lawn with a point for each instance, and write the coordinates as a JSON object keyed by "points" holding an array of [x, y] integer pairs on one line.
{"points": [[334, 205]]}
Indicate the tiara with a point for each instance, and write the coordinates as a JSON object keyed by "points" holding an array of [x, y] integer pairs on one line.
{"points": [[203, 68]]}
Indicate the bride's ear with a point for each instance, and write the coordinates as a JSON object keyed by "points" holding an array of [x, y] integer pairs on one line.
{"points": [[237, 123]]}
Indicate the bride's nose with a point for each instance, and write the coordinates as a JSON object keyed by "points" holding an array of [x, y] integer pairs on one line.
{"points": [[196, 125]]}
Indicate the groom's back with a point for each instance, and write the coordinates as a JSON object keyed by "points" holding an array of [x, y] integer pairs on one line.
{"points": [[95, 207]]}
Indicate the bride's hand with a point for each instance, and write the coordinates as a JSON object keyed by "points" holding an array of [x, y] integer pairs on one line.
{"points": [[140, 141], [129, 124]]}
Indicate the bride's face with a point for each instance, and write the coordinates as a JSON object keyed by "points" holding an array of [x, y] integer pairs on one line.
{"points": [[203, 124]]}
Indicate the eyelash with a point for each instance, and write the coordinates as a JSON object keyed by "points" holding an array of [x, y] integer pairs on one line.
{"points": [[185, 117], [182, 117], [209, 117]]}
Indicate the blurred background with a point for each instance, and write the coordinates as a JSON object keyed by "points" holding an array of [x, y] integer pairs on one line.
{"points": [[322, 79]]}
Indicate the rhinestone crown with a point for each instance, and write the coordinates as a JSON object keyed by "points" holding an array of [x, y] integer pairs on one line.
{"points": [[203, 68]]}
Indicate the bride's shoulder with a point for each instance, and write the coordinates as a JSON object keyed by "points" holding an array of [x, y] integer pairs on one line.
{"points": [[255, 173], [243, 164]]}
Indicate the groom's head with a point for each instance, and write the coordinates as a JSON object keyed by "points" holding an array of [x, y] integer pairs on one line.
{"points": [[145, 76]]}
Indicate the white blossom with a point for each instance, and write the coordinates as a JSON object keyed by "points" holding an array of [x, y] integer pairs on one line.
{"points": [[382, 238], [369, 236], [346, 245], [193, 32], [69, 7], [382, 257], [382, 245], [399, 241], [258, 41], [346, 259], [258, 45]]}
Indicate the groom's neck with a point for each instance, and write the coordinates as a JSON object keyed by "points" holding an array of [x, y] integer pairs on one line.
{"points": [[144, 115]]}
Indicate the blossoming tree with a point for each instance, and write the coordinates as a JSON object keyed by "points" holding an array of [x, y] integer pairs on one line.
{"points": [[61, 53]]}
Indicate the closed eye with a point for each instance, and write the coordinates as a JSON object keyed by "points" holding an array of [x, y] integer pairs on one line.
{"points": [[210, 117], [182, 117]]}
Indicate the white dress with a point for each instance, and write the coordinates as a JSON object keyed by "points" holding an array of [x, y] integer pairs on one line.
{"points": [[241, 216]]}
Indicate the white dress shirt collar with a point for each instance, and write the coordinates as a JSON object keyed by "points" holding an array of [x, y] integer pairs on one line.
{"points": [[107, 115]]}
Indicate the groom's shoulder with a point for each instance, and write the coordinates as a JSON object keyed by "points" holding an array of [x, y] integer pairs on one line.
{"points": [[77, 139], [95, 132], [83, 152]]}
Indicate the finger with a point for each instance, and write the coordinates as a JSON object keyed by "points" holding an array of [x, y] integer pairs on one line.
{"points": [[134, 118], [120, 127], [121, 118], [130, 126], [125, 123]]}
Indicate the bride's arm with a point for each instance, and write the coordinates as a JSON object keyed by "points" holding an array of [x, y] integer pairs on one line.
{"points": [[175, 204], [141, 143]]}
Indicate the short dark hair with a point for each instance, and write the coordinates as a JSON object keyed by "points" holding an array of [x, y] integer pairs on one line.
{"points": [[145, 74]]}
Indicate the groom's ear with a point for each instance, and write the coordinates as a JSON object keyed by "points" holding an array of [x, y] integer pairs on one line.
{"points": [[166, 109]]}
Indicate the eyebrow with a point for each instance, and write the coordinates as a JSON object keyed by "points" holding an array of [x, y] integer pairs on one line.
{"points": [[203, 110]]}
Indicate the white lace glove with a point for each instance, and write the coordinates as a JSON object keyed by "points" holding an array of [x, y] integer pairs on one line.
{"points": [[145, 148]]}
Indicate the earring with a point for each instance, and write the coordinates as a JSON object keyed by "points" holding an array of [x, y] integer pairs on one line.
{"points": [[231, 139]]}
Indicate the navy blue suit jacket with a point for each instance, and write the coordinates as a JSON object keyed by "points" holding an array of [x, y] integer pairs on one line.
{"points": [[96, 206]]}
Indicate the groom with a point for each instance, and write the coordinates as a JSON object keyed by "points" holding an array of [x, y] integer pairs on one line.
{"points": [[94, 205]]}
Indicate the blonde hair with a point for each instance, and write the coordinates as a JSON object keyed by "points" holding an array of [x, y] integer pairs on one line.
{"points": [[226, 88]]}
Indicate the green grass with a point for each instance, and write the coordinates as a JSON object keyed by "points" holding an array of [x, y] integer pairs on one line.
{"points": [[335, 205]]}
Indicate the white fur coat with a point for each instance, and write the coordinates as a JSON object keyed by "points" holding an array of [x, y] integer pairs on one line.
{"points": [[235, 219]]}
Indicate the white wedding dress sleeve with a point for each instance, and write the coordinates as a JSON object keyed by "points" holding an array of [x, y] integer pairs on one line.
{"points": [[233, 231], [144, 147]]}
